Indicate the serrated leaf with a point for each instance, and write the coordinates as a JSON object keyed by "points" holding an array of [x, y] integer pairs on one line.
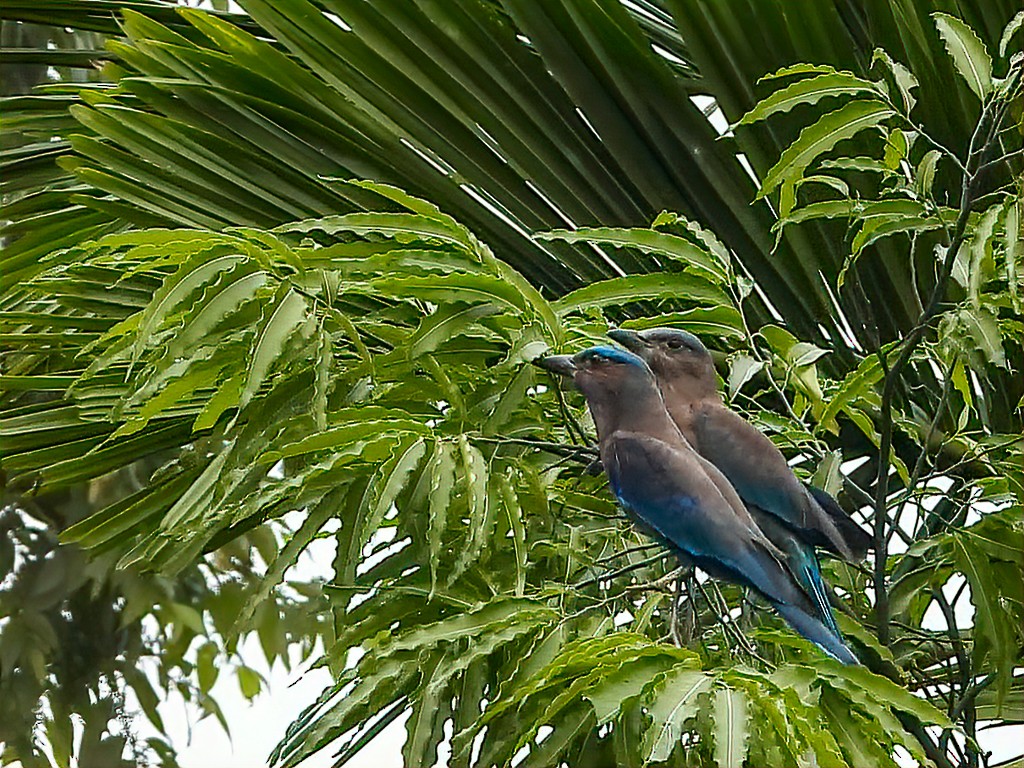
{"points": [[731, 728], [442, 480], [625, 684], [1011, 29], [193, 274], [321, 381], [676, 702], [821, 137], [480, 503], [569, 727], [424, 728], [455, 287], [834, 182], [797, 69], [924, 177], [289, 316], [403, 227], [514, 512], [807, 91], [982, 326], [724, 321], [345, 438], [856, 384], [623, 290], [386, 484], [827, 209], [980, 250], [860, 683], [649, 241], [903, 77], [887, 225], [828, 476], [969, 55], [1013, 246], [446, 323]]}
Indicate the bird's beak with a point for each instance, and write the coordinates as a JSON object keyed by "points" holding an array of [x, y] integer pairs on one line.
{"points": [[562, 364], [631, 340]]}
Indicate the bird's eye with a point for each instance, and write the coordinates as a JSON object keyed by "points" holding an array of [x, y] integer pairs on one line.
{"points": [[675, 343]]}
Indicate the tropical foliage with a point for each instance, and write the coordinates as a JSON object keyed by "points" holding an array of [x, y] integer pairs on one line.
{"points": [[200, 292]]}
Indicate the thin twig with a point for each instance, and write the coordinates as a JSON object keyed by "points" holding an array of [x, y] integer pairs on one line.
{"points": [[893, 373], [621, 571], [624, 552], [559, 449]]}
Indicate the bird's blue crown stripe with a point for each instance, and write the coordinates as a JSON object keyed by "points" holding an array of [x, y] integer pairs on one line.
{"points": [[613, 353]]}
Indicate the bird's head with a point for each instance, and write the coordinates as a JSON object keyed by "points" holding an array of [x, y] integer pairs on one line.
{"points": [[603, 372], [620, 388], [676, 357]]}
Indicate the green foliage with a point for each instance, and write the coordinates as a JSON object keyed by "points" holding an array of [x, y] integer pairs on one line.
{"points": [[207, 305]]}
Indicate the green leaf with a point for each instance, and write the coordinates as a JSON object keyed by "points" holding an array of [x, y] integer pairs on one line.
{"points": [[441, 471], [623, 290], [924, 177], [456, 287], [886, 225], [388, 481], [969, 55], [347, 439], [815, 140], [676, 702], [649, 241], [248, 681], [206, 666], [624, 685], [481, 501], [1011, 29], [807, 91], [722, 321], [288, 316], [742, 368], [315, 519], [731, 728], [827, 209], [446, 323], [860, 684], [798, 69], [191, 276], [1013, 246], [903, 77], [982, 327], [424, 728]]}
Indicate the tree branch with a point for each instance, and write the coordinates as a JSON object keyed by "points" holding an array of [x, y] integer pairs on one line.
{"points": [[975, 155]]}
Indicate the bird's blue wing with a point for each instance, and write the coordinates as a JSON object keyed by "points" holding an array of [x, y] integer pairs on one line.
{"points": [[669, 492]]}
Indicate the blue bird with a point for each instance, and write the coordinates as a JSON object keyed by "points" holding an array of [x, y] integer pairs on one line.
{"points": [[671, 490], [752, 463]]}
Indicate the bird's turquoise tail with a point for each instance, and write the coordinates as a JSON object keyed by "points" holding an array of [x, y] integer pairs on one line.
{"points": [[814, 630]]}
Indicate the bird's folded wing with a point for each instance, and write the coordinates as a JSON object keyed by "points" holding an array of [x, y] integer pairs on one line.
{"points": [[669, 491], [760, 474]]}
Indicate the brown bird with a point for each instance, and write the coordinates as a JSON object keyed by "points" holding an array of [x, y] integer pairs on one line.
{"points": [[751, 462], [672, 491]]}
